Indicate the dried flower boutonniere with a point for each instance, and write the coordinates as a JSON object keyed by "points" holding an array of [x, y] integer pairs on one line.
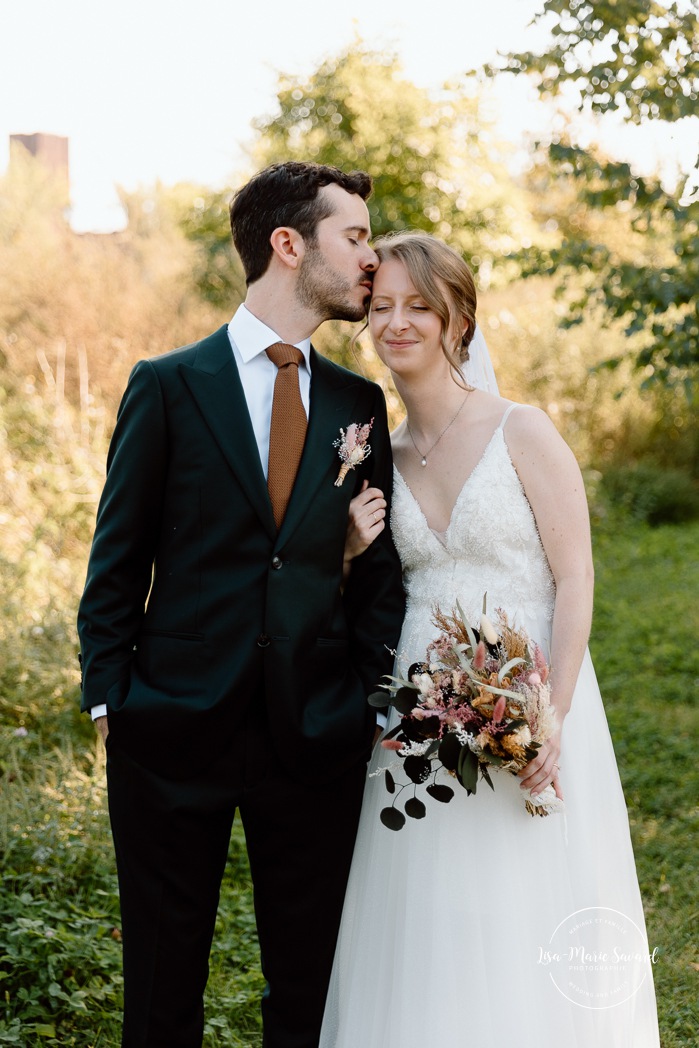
{"points": [[352, 447]]}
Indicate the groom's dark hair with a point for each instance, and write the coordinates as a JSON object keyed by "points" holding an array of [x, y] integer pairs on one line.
{"points": [[285, 195]]}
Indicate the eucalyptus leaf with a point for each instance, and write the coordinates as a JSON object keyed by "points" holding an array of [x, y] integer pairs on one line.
{"points": [[404, 700], [379, 699], [449, 750], [440, 792], [390, 782], [415, 808], [418, 769], [392, 818], [486, 775], [467, 769]]}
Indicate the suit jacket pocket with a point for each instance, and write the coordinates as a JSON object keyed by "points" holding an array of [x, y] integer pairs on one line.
{"points": [[331, 642], [174, 663], [175, 634]]}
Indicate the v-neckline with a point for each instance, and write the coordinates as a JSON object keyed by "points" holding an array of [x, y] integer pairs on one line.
{"points": [[433, 532]]}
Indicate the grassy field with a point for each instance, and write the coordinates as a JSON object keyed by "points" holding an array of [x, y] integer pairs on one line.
{"points": [[645, 649], [60, 941]]}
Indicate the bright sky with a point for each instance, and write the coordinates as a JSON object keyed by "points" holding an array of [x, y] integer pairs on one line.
{"points": [[166, 89]]}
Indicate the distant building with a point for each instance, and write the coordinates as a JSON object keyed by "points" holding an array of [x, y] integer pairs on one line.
{"points": [[51, 151]]}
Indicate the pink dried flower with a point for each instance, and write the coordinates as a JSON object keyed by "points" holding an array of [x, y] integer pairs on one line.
{"points": [[478, 662], [352, 447], [534, 678], [499, 709], [541, 664], [392, 744]]}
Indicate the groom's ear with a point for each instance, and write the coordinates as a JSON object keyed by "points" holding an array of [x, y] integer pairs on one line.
{"points": [[288, 246]]}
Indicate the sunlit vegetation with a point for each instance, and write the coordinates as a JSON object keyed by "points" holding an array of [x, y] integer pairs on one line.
{"points": [[77, 311]]}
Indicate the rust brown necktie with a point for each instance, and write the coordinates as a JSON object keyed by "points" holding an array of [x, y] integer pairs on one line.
{"points": [[287, 432]]}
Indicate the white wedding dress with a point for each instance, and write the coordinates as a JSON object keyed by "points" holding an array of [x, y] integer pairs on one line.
{"points": [[480, 926]]}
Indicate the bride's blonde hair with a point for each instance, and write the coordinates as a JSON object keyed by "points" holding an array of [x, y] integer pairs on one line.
{"points": [[445, 282]]}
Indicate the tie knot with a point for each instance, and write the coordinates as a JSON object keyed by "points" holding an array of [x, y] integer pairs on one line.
{"points": [[281, 353]]}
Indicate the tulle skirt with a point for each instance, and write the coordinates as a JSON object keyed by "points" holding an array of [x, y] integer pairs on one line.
{"points": [[480, 925]]}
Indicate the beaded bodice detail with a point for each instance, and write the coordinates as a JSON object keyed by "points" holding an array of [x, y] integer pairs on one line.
{"points": [[491, 546]]}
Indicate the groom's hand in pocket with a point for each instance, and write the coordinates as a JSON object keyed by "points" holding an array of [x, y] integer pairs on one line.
{"points": [[102, 725]]}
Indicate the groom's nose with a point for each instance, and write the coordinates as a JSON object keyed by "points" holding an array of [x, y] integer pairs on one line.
{"points": [[370, 263]]}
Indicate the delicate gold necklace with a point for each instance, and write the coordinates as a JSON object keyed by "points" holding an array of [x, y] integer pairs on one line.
{"points": [[423, 458]]}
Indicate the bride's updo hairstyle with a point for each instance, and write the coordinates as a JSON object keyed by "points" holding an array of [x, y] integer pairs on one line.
{"points": [[444, 281]]}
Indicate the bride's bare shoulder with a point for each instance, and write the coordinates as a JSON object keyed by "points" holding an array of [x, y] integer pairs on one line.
{"points": [[530, 432]]}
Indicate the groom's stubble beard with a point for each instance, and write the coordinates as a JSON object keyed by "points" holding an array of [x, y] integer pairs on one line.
{"points": [[325, 292]]}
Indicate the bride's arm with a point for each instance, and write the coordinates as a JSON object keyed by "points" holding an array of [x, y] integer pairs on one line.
{"points": [[367, 511], [554, 487]]}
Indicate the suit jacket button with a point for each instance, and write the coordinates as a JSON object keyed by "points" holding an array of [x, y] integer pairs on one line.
{"points": [[277, 563], [263, 641]]}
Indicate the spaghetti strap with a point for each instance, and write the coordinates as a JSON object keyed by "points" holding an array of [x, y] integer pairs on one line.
{"points": [[505, 417]]}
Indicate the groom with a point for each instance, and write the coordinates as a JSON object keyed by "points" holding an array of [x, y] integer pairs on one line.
{"points": [[223, 662]]}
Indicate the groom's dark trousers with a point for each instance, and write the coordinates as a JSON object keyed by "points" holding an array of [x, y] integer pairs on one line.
{"points": [[235, 672]]}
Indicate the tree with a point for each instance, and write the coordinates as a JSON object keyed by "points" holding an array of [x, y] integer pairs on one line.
{"points": [[432, 155], [433, 158], [635, 58]]}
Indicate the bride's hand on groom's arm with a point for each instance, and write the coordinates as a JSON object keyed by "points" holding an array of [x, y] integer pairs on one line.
{"points": [[366, 521]]}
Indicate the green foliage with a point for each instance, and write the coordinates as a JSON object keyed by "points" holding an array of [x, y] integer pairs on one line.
{"points": [[637, 59], [49, 483], [60, 958], [645, 653], [433, 157], [647, 279], [358, 110], [658, 496], [602, 414]]}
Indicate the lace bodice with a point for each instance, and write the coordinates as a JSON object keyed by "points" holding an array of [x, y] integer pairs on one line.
{"points": [[491, 546]]}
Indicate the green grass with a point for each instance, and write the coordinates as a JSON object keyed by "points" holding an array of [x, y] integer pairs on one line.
{"points": [[60, 979], [644, 646]]}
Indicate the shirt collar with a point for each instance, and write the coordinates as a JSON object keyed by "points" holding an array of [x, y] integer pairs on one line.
{"points": [[253, 337]]}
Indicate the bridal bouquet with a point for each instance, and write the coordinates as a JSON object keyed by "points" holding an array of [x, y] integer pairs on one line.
{"points": [[480, 700]]}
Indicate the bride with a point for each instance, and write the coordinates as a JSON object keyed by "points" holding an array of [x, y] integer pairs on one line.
{"points": [[479, 925]]}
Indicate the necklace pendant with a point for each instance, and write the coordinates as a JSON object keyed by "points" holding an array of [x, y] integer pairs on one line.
{"points": [[423, 461]]}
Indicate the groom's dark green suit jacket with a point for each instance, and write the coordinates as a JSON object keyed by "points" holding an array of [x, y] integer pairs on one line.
{"points": [[195, 606]]}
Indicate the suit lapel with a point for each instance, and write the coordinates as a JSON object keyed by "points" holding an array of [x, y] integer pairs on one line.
{"points": [[333, 397], [214, 382]]}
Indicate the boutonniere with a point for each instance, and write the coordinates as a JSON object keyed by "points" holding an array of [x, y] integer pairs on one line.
{"points": [[352, 447]]}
